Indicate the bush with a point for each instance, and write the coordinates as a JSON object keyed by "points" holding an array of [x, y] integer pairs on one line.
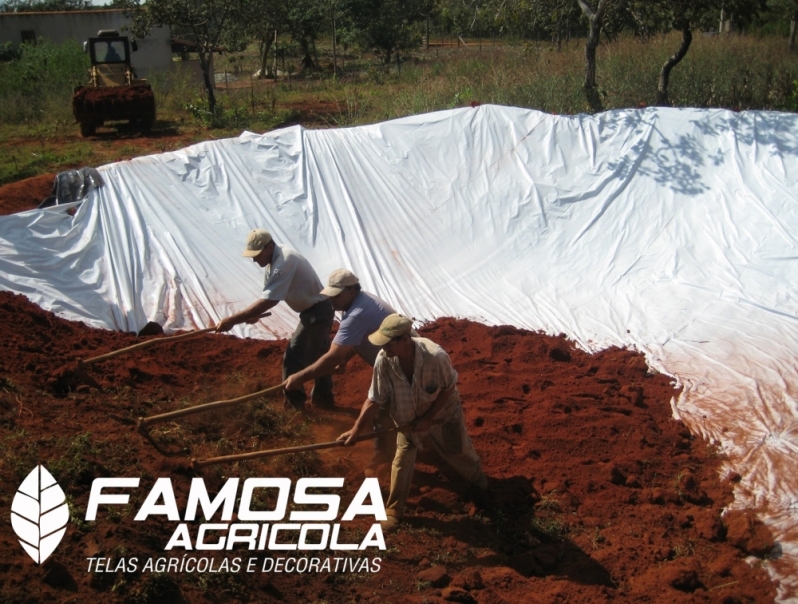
{"points": [[38, 85], [9, 52]]}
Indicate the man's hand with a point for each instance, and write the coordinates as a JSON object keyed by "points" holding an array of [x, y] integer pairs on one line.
{"points": [[422, 424], [349, 436], [294, 382], [225, 324]]}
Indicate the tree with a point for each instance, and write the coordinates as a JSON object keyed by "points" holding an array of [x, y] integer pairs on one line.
{"points": [[31, 6], [389, 27], [557, 20], [594, 18], [468, 17], [260, 21], [788, 11], [205, 23], [684, 16], [306, 20]]}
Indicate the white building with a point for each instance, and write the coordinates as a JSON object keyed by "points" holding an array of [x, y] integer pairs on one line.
{"points": [[154, 52]]}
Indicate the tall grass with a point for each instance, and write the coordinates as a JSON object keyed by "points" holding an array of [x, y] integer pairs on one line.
{"points": [[734, 72]]}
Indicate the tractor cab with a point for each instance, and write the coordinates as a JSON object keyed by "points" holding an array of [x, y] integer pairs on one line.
{"points": [[114, 91], [110, 59]]}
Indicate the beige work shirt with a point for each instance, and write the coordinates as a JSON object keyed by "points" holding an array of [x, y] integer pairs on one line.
{"points": [[290, 278], [432, 373]]}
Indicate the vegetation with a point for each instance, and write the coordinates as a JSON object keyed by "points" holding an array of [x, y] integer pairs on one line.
{"points": [[39, 81], [409, 57], [22, 6]]}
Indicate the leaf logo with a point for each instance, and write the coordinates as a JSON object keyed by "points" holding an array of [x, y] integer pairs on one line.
{"points": [[39, 514]]}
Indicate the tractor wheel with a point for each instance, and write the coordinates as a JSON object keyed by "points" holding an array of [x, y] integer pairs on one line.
{"points": [[145, 124], [87, 128]]}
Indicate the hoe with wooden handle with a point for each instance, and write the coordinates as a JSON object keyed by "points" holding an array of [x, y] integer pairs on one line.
{"points": [[148, 343], [201, 463], [145, 422]]}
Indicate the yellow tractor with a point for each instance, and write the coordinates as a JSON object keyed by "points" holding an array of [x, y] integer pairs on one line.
{"points": [[114, 91]]}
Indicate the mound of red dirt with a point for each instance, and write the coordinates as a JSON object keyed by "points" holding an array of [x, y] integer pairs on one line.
{"points": [[598, 494], [25, 194], [114, 102]]}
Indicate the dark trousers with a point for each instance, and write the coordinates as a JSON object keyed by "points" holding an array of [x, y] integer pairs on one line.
{"points": [[310, 340]]}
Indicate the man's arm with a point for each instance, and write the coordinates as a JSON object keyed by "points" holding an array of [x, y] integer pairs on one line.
{"points": [[336, 355], [249, 315], [363, 422]]}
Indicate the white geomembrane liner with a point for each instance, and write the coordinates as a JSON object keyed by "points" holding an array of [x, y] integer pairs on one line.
{"points": [[670, 231]]}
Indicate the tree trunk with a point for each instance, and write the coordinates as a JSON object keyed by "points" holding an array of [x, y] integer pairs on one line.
{"points": [[275, 55], [334, 34], [793, 29], [426, 32], [592, 40], [590, 60], [207, 77], [665, 72], [306, 50], [265, 45]]}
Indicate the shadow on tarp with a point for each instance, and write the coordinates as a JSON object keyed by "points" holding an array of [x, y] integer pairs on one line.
{"points": [[676, 163]]}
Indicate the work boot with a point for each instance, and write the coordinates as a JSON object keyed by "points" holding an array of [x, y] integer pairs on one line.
{"points": [[481, 494], [288, 405], [391, 523]]}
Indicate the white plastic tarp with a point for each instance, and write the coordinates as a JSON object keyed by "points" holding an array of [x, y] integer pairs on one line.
{"points": [[672, 231]]}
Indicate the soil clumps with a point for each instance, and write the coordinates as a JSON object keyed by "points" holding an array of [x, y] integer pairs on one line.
{"points": [[598, 494], [25, 194]]}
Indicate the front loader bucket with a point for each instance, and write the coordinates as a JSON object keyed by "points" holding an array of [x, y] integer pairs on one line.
{"points": [[93, 106]]}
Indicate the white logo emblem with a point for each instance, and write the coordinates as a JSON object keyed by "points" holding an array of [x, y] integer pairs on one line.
{"points": [[39, 514]]}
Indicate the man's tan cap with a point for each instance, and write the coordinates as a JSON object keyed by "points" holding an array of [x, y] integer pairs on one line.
{"points": [[338, 280], [256, 241], [392, 326]]}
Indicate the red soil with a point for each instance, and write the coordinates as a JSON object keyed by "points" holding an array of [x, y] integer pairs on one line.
{"points": [[113, 94], [114, 103], [25, 194], [599, 494]]}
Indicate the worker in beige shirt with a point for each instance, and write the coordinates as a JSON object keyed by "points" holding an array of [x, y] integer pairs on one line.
{"points": [[290, 278], [414, 377]]}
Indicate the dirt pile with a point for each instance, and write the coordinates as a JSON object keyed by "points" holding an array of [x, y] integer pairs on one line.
{"points": [[114, 94], [598, 494], [114, 102], [25, 194]]}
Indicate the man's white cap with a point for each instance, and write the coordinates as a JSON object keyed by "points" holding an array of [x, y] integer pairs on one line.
{"points": [[338, 280], [256, 241]]}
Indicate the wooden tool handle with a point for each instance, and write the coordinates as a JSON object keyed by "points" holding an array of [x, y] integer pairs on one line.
{"points": [[148, 343], [154, 419], [200, 463]]}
